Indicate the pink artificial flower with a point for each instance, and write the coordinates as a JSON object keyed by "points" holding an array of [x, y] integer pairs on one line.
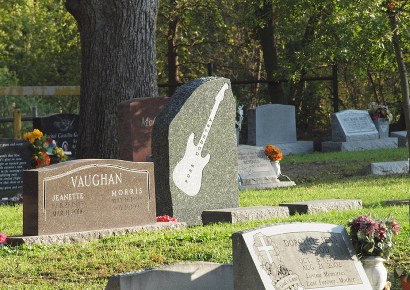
{"points": [[166, 218], [395, 227], [3, 238]]}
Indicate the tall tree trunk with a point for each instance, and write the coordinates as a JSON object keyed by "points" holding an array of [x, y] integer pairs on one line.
{"points": [[118, 63], [401, 66], [266, 35], [172, 53]]}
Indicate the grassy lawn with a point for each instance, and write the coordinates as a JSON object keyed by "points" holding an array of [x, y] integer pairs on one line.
{"points": [[88, 265]]}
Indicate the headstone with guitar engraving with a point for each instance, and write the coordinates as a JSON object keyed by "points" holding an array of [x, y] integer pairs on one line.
{"points": [[194, 151]]}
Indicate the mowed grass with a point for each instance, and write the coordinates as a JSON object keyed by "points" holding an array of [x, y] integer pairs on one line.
{"points": [[88, 265]]}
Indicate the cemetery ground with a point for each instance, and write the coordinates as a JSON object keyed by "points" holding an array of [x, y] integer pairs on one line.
{"points": [[88, 265]]}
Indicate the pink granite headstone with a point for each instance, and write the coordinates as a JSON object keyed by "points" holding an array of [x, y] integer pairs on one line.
{"points": [[136, 118]]}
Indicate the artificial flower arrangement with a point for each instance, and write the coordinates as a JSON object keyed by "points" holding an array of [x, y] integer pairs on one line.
{"points": [[273, 153], [377, 111], [373, 237], [40, 144]]}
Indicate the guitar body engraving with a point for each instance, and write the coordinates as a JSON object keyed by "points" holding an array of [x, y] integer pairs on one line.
{"points": [[187, 174]]}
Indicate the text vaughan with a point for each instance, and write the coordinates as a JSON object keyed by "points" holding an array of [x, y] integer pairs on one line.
{"points": [[96, 180]]}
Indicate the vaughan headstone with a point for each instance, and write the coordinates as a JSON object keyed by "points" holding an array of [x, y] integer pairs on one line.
{"points": [[136, 118], [88, 194], [63, 128], [296, 256], [194, 150], [14, 158], [271, 124]]}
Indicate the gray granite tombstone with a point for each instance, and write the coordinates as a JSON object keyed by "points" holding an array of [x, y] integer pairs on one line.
{"points": [[353, 125], [194, 151], [14, 158], [354, 130], [296, 256], [86, 195], [271, 124]]}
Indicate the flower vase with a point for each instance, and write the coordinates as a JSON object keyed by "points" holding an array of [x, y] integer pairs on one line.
{"points": [[382, 126], [276, 170], [376, 271]]}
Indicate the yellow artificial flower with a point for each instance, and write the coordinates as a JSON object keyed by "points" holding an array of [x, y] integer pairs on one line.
{"points": [[37, 133]]}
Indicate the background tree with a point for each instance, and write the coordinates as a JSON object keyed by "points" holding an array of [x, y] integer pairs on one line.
{"points": [[39, 45], [117, 64]]}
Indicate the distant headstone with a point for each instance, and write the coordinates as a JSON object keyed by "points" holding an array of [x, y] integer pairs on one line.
{"points": [[136, 119], [296, 256], [88, 194], [255, 170], [14, 158], [271, 124], [353, 125], [63, 128], [354, 130], [194, 150]]}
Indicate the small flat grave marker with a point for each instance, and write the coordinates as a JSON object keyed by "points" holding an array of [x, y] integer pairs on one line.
{"points": [[255, 170], [88, 194], [323, 205], [296, 256]]}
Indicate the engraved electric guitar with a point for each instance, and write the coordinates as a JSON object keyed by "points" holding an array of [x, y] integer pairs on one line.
{"points": [[187, 174]]}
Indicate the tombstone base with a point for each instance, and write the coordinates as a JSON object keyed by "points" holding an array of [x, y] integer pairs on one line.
{"points": [[299, 147], [385, 168], [256, 183], [402, 136], [242, 214], [78, 237], [331, 146], [182, 276], [295, 148]]}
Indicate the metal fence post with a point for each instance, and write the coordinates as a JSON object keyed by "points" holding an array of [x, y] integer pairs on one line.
{"points": [[17, 123]]}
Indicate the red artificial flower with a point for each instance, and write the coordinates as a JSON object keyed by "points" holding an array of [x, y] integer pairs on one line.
{"points": [[42, 160], [166, 218]]}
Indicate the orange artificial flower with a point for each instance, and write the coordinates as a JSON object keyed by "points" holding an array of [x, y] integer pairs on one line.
{"points": [[273, 153]]}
